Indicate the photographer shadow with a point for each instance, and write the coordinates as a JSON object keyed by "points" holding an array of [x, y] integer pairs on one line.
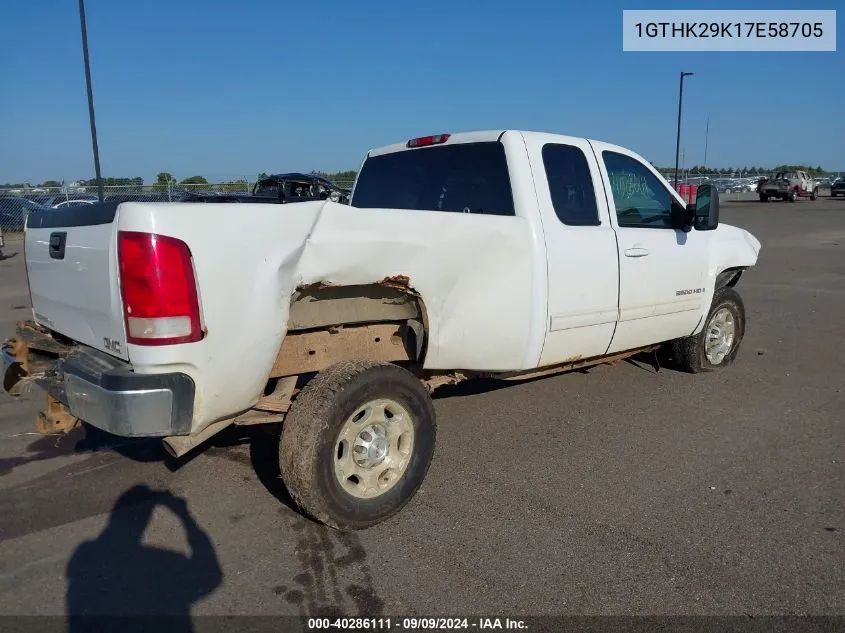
{"points": [[116, 574]]}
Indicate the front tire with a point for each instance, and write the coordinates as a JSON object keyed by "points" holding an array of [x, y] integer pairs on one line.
{"points": [[764, 197], [717, 345], [792, 196], [357, 443]]}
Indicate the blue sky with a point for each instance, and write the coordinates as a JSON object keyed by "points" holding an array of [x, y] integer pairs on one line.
{"points": [[229, 89]]}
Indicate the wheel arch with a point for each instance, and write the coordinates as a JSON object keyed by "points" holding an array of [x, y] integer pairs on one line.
{"points": [[327, 324], [729, 277]]}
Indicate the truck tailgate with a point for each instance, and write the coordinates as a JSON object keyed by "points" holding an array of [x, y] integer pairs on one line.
{"points": [[71, 259]]}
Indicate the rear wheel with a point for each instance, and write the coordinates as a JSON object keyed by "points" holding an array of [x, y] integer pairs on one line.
{"points": [[717, 345], [764, 197], [357, 443]]}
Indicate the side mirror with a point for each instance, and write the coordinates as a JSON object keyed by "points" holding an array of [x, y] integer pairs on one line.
{"points": [[706, 208]]}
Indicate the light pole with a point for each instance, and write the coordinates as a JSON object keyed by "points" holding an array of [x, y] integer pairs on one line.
{"points": [[678, 141], [90, 100]]}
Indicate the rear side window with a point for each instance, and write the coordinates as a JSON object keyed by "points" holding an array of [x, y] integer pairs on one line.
{"points": [[570, 185], [462, 178]]}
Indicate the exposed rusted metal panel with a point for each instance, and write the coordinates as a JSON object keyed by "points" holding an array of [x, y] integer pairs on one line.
{"points": [[397, 281], [57, 418], [435, 380], [306, 352], [316, 307], [37, 337], [251, 418], [575, 364], [279, 401]]}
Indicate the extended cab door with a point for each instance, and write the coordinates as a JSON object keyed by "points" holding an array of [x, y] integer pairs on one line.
{"points": [[583, 271], [662, 271]]}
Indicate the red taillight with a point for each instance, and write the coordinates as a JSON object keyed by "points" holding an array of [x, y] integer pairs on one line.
{"points": [[424, 141], [159, 290]]}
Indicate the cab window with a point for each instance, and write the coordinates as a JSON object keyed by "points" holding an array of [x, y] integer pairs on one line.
{"points": [[640, 198]]}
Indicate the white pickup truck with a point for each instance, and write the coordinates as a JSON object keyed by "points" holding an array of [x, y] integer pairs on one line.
{"points": [[508, 254]]}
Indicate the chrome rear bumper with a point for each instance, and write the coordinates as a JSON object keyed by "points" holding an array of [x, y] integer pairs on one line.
{"points": [[104, 391]]}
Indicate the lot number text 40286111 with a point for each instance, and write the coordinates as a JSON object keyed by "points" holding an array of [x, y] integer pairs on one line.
{"points": [[415, 624]]}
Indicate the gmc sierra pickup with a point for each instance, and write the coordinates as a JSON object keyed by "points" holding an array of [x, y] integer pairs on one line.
{"points": [[503, 253]]}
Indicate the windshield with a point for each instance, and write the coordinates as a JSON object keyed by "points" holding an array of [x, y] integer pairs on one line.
{"points": [[466, 177]]}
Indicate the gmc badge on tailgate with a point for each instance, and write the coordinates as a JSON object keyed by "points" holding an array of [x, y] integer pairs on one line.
{"points": [[112, 346]]}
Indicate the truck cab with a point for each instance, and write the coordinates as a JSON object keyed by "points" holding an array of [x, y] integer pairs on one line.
{"points": [[611, 267]]}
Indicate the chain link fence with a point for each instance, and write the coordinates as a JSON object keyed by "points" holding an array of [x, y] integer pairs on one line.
{"points": [[734, 181], [15, 204]]}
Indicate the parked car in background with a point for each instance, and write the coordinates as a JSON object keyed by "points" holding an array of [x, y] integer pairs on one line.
{"points": [[838, 187], [297, 187], [65, 200], [74, 203], [13, 212], [731, 185]]}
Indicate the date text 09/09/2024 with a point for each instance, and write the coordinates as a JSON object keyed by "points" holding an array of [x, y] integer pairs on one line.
{"points": [[730, 29], [415, 624]]}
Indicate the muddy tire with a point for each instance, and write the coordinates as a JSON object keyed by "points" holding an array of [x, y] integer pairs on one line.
{"points": [[357, 443], [717, 345]]}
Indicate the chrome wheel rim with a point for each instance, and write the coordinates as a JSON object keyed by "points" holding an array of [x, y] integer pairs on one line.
{"points": [[374, 448], [719, 336]]}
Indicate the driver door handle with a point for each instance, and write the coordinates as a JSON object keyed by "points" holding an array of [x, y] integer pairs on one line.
{"points": [[636, 251]]}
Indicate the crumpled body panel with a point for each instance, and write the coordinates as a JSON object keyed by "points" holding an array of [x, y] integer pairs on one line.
{"points": [[473, 272]]}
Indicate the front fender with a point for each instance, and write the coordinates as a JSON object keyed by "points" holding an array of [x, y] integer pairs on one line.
{"points": [[730, 248]]}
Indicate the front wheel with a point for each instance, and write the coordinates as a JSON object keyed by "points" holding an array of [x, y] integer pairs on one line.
{"points": [[815, 194], [717, 345], [357, 443], [792, 196], [764, 197]]}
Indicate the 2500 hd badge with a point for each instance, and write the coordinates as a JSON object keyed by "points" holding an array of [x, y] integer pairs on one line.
{"points": [[689, 291]]}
